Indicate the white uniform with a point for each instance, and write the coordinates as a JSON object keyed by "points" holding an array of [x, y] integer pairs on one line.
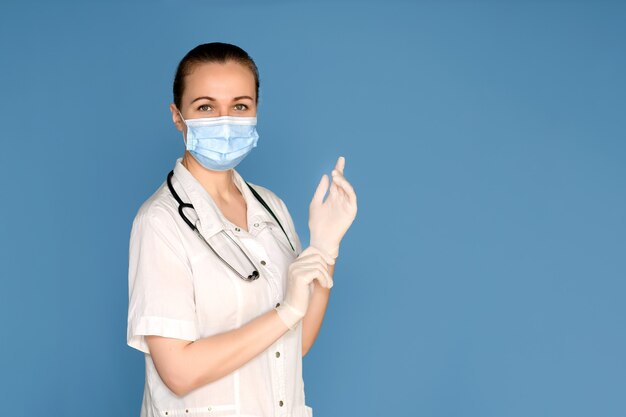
{"points": [[178, 288]]}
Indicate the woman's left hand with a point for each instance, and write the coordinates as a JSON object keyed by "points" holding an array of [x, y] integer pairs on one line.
{"points": [[329, 220]]}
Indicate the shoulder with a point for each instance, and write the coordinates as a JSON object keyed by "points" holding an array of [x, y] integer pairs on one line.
{"points": [[157, 211]]}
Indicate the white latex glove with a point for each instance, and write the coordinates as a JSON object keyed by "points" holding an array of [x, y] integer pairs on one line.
{"points": [[329, 220], [309, 265]]}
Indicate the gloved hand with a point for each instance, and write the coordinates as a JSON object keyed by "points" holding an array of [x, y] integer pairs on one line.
{"points": [[309, 265], [329, 220]]}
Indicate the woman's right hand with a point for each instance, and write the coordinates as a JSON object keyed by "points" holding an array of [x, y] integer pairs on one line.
{"points": [[309, 265], [186, 365]]}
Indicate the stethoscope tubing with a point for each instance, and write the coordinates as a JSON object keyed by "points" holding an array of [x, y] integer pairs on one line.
{"points": [[182, 205]]}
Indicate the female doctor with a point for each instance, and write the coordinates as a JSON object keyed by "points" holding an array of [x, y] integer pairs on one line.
{"points": [[222, 299]]}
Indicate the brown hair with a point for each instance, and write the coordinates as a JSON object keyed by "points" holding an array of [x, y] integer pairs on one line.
{"points": [[211, 52]]}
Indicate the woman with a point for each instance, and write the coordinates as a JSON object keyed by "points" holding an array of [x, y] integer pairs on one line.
{"points": [[222, 300]]}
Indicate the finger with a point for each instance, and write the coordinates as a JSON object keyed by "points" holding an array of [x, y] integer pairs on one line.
{"points": [[308, 251], [338, 173], [326, 257], [342, 182], [326, 279], [322, 187], [322, 276], [318, 273], [322, 257], [336, 193], [312, 262], [326, 284], [319, 266], [335, 190], [341, 162], [313, 251], [313, 275], [305, 266]]}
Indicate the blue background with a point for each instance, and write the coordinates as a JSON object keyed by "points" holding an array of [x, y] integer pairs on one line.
{"points": [[485, 272]]}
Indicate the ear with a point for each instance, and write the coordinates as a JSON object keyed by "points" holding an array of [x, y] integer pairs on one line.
{"points": [[180, 125]]}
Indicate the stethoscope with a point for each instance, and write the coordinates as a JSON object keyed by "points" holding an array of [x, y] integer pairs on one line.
{"points": [[181, 205]]}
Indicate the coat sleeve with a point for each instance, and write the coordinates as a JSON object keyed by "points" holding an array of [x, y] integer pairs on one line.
{"points": [[160, 282]]}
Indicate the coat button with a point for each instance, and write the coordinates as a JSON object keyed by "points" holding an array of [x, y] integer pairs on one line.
{"points": [[280, 403], [278, 354], [237, 229], [256, 225], [263, 262], [277, 304]]}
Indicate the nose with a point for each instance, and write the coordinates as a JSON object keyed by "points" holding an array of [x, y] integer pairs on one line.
{"points": [[222, 110]]}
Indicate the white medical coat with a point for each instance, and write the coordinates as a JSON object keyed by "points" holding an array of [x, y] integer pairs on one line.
{"points": [[178, 288]]}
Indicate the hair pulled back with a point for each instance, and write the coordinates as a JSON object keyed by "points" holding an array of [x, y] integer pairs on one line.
{"points": [[214, 52]]}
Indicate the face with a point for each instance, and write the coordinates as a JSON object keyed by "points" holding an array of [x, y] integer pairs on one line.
{"points": [[213, 90]]}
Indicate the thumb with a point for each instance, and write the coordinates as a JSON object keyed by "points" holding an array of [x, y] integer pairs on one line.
{"points": [[320, 192]]}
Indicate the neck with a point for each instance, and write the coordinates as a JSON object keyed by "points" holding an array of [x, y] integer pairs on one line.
{"points": [[219, 184]]}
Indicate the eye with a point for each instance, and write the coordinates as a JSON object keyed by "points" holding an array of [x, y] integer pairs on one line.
{"points": [[204, 107], [241, 104]]}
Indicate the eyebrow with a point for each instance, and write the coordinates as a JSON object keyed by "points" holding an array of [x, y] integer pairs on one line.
{"points": [[212, 99]]}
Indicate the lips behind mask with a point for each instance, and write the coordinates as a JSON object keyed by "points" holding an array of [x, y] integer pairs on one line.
{"points": [[221, 143]]}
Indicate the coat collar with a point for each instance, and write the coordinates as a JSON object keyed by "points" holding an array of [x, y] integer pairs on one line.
{"points": [[210, 217]]}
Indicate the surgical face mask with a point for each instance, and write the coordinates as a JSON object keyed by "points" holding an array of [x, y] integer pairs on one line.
{"points": [[220, 143]]}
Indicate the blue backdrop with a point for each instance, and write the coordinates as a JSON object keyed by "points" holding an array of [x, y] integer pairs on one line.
{"points": [[485, 272]]}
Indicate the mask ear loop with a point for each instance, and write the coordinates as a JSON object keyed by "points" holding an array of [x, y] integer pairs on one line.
{"points": [[184, 121]]}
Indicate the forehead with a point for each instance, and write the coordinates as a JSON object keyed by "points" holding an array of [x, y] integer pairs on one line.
{"points": [[222, 81]]}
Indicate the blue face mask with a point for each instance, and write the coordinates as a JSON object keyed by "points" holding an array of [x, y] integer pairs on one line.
{"points": [[220, 143]]}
